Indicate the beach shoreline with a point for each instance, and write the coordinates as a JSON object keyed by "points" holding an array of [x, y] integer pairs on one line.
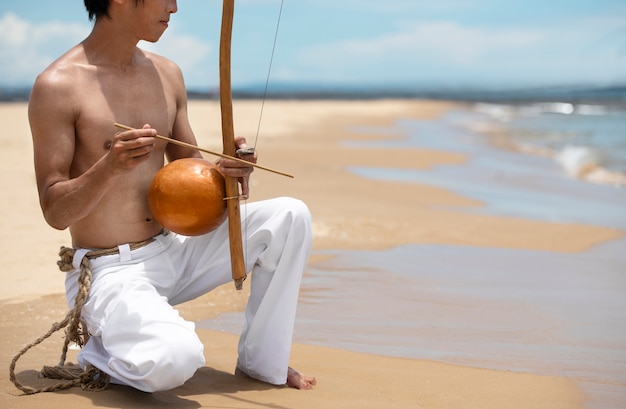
{"points": [[308, 139]]}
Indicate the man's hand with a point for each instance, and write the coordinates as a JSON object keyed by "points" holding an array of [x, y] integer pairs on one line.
{"points": [[239, 170], [131, 148]]}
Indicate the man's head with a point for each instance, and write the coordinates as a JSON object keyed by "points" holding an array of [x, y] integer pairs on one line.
{"points": [[99, 8]]}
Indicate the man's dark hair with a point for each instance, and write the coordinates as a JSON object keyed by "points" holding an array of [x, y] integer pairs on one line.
{"points": [[99, 8]]}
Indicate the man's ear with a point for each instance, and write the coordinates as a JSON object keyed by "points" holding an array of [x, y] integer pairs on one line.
{"points": [[117, 4]]}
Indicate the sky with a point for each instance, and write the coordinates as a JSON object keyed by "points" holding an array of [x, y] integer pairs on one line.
{"points": [[406, 43]]}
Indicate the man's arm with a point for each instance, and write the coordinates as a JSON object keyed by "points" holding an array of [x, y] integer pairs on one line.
{"points": [[183, 132], [65, 199], [181, 129]]}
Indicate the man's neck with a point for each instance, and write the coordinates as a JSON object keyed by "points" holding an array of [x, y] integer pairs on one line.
{"points": [[108, 45]]}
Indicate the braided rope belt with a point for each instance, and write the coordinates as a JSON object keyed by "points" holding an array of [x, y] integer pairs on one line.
{"points": [[91, 378]]}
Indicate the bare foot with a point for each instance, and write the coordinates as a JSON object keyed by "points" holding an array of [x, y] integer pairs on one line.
{"points": [[300, 381], [294, 379]]}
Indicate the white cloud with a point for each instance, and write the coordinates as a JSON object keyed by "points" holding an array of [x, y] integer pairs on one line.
{"points": [[258, 3], [190, 53], [13, 30], [420, 45], [434, 50], [393, 6], [26, 49], [592, 49], [443, 40]]}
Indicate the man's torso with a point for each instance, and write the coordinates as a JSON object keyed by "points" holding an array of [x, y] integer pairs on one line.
{"points": [[134, 97]]}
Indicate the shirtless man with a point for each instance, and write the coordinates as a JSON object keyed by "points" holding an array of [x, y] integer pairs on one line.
{"points": [[94, 180]]}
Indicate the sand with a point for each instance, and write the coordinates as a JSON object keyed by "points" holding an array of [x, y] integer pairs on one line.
{"points": [[309, 140]]}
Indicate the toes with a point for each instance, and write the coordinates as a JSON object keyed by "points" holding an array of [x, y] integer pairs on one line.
{"points": [[296, 380]]}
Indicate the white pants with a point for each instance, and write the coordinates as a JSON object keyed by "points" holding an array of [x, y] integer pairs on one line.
{"points": [[139, 339]]}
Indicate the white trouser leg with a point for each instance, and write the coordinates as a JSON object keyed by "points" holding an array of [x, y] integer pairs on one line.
{"points": [[277, 242], [137, 337], [265, 343]]}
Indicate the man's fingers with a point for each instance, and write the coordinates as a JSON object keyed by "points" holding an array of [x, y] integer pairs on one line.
{"points": [[136, 134], [236, 172], [245, 190]]}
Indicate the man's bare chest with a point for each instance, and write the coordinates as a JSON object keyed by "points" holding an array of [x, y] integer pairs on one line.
{"points": [[102, 106]]}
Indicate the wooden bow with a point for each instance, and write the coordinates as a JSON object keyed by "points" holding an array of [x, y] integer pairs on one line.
{"points": [[228, 140]]}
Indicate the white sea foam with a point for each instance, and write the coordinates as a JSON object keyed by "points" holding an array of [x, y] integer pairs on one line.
{"points": [[578, 160], [564, 108], [585, 163], [603, 176], [585, 109], [505, 112], [499, 111], [551, 130]]}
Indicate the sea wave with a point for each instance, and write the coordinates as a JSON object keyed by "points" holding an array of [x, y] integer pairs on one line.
{"points": [[504, 112], [578, 160], [585, 163], [559, 130]]}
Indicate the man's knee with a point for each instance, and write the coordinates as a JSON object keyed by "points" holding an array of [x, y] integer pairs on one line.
{"points": [[180, 359], [299, 213], [166, 364]]}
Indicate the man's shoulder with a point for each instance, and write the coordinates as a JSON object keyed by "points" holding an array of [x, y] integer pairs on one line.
{"points": [[63, 72], [160, 62]]}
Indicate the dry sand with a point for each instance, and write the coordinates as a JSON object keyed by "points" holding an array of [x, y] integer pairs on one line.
{"points": [[305, 139]]}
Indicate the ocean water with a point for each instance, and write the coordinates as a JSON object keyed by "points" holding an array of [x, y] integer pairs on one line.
{"points": [[515, 310], [587, 140], [510, 182], [511, 309]]}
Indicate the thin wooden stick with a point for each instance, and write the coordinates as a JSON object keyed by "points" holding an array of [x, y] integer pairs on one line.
{"points": [[221, 155]]}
